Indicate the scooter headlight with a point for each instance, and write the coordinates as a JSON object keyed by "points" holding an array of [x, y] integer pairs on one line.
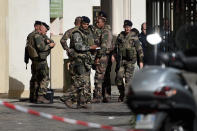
{"points": [[154, 39]]}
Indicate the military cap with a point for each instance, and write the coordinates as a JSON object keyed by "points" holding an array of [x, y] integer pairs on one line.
{"points": [[85, 19], [128, 23], [37, 23], [44, 24], [102, 14]]}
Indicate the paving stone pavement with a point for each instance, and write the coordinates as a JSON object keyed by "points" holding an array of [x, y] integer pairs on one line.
{"points": [[113, 113]]}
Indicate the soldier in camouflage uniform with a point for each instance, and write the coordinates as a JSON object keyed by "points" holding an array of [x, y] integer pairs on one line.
{"points": [[82, 41], [102, 57], [39, 64], [67, 35], [33, 83], [127, 50], [70, 51], [106, 87]]}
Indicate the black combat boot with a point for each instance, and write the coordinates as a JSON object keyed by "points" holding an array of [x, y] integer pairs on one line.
{"points": [[81, 103], [106, 97], [42, 100], [70, 104], [96, 97], [122, 93]]}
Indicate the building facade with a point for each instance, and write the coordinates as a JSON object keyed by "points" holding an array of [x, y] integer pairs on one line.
{"points": [[16, 23]]}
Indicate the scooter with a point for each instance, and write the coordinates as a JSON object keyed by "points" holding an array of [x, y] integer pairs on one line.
{"points": [[160, 97]]}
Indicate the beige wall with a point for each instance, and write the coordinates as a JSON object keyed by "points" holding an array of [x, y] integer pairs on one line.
{"points": [[22, 15], [4, 84], [57, 64], [134, 10]]}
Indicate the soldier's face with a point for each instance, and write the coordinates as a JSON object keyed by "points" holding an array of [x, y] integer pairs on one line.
{"points": [[144, 28], [37, 27], [43, 29], [100, 23], [127, 29], [85, 25]]}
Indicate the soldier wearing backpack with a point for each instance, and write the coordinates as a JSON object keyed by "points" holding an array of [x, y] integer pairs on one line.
{"points": [[43, 46], [30, 53], [37, 49]]}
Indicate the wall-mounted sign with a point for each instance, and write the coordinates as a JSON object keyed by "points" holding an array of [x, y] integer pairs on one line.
{"points": [[56, 8]]}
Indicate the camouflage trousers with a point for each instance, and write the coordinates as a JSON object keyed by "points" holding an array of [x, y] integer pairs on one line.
{"points": [[40, 78], [100, 76], [106, 86], [79, 90], [126, 71], [33, 84]]}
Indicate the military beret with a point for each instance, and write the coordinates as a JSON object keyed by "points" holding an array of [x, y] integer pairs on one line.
{"points": [[128, 23], [44, 24], [85, 19], [102, 14], [37, 23]]}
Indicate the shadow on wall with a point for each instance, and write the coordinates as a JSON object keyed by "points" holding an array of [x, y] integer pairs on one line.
{"points": [[16, 88]]}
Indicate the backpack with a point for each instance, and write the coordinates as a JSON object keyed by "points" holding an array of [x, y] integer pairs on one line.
{"points": [[30, 51]]}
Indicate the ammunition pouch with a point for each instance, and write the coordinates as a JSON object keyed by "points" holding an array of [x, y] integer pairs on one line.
{"points": [[43, 55], [79, 67], [90, 41], [123, 52], [129, 54]]}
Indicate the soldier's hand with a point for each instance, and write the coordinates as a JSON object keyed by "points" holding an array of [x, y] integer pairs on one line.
{"points": [[48, 41], [93, 47], [141, 65], [112, 58], [68, 66], [52, 44], [96, 62]]}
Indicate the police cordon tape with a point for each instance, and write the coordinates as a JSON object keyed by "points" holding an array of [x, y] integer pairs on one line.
{"points": [[62, 119]]}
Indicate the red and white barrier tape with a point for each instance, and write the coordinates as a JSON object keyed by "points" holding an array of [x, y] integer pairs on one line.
{"points": [[62, 119]]}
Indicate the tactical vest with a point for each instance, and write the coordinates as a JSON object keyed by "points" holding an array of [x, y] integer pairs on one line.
{"points": [[70, 32], [105, 38], [126, 46], [42, 55], [109, 39], [87, 39], [83, 60]]}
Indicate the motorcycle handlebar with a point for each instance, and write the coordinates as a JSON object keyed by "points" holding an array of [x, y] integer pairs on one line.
{"points": [[179, 60]]}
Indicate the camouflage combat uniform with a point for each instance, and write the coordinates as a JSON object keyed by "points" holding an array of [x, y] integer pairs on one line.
{"points": [[81, 40], [70, 50], [103, 55], [67, 35], [127, 50], [33, 82], [39, 64]]}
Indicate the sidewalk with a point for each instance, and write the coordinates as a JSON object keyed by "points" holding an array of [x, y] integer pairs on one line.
{"points": [[113, 113]]}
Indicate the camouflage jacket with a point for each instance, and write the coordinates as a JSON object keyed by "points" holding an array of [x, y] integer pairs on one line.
{"points": [[105, 41], [47, 39], [42, 47], [67, 35], [127, 46]]}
